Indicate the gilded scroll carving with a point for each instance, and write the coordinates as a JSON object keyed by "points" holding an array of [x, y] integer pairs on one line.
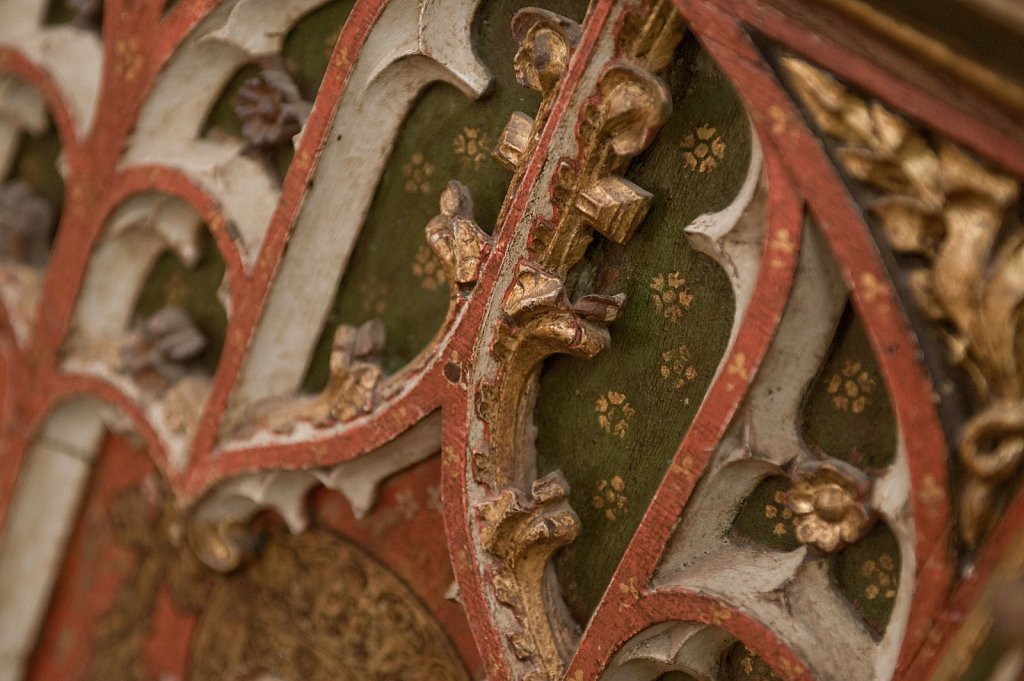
{"points": [[538, 321], [525, 533], [538, 318], [941, 205]]}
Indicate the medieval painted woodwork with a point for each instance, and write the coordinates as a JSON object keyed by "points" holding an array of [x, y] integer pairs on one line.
{"points": [[460, 339]]}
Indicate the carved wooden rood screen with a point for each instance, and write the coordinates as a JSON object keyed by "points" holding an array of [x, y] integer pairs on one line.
{"points": [[464, 339]]}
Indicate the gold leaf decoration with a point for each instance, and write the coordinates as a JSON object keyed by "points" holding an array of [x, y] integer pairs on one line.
{"points": [[937, 203]]}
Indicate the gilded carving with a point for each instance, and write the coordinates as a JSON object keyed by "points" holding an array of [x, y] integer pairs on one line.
{"points": [[352, 387], [589, 194], [525, 533], [941, 205], [546, 41], [538, 321], [828, 502], [457, 241], [538, 318]]}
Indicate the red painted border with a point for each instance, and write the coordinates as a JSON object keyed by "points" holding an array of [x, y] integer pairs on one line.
{"points": [[797, 166]]}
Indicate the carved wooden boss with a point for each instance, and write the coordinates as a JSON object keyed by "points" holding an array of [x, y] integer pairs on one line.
{"points": [[443, 339]]}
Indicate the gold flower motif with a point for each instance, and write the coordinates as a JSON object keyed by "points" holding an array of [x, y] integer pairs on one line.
{"points": [[850, 387], [427, 269], [671, 297], [472, 147], [610, 497], [613, 413], [703, 149], [417, 174], [373, 294], [780, 513], [677, 367], [128, 59], [827, 499], [883, 577]]}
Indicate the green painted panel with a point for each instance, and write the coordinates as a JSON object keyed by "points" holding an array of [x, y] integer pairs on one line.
{"points": [[985, 659], [765, 519], [868, 572], [675, 676], [35, 162], [613, 424], [309, 45], [392, 273], [847, 413], [741, 664], [194, 290]]}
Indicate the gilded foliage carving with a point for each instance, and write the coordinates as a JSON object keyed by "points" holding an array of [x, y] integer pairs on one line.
{"points": [[538, 318], [525, 533], [455, 238], [938, 203], [546, 41]]}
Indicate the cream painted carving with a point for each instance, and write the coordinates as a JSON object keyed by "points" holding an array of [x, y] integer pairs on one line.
{"points": [[410, 46], [217, 525], [695, 649], [792, 592]]}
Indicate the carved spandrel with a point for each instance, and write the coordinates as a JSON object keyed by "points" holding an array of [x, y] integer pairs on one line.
{"points": [[938, 204]]}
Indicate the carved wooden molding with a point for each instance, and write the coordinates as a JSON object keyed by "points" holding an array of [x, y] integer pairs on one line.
{"points": [[841, 151]]}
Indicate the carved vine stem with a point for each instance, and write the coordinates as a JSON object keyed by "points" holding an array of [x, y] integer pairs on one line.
{"points": [[538, 319], [942, 206]]}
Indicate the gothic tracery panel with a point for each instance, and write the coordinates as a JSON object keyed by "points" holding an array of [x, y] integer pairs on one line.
{"points": [[448, 339]]}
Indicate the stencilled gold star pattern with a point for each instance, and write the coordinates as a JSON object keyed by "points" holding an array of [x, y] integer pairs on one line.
{"points": [[781, 514], [677, 367], [427, 269], [472, 147], [881, 576]]}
